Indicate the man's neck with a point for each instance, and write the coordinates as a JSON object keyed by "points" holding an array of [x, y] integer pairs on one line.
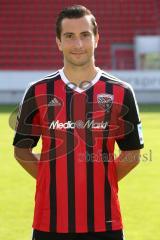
{"points": [[78, 75]]}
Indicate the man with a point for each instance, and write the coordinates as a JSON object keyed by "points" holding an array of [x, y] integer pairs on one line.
{"points": [[80, 112]]}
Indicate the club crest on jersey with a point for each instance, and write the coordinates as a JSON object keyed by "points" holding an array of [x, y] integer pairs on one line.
{"points": [[105, 101]]}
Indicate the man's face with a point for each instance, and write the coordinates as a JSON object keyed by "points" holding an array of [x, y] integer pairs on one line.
{"points": [[78, 41]]}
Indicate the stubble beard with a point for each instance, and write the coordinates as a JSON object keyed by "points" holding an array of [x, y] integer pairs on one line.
{"points": [[79, 63]]}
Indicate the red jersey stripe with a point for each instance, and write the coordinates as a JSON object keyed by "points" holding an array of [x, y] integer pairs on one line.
{"points": [[80, 165], [61, 160], [41, 198], [118, 93], [99, 170]]}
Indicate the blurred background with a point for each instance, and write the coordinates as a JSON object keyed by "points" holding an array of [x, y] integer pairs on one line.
{"points": [[129, 48], [129, 44]]}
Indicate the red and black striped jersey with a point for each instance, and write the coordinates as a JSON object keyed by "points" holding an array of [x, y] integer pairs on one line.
{"points": [[77, 188]]}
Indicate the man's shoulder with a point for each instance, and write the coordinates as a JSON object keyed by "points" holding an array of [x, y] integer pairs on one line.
{"points": [[108, 77], [49, 78]]}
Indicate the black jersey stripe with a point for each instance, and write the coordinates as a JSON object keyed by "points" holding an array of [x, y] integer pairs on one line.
{"points": [[89, 157], [43, 80], [111, 77], [24, 136], [52, 75], [105, 152], [52, 157], [70, 162]]}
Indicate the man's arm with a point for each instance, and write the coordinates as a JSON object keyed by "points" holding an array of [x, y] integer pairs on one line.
{"points": [[126, 161], [27, 160]]}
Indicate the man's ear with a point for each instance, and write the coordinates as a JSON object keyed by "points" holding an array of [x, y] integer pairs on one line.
{"points": [[96, 40], [58, 41]]}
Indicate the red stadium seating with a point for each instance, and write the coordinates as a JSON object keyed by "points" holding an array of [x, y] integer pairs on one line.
{"points": [[124, 59], [27, 37]]}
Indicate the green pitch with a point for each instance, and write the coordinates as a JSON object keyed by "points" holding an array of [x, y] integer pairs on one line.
{"points": [[139, 191]]}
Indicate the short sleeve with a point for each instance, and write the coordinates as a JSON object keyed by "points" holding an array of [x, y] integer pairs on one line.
{"points": [[27, 132], [132, 137]]}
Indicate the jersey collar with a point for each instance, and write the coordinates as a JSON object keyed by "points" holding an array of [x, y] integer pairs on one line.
{"points": [[78, 89]]}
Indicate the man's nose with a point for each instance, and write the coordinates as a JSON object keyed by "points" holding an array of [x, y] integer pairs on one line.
{"points": [[78, 42]]}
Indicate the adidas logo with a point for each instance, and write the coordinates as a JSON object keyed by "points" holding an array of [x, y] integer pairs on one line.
{"points": [[54, 102]]}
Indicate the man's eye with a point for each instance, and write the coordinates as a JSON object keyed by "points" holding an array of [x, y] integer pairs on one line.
{"points": [[86, 35], [69, 36]]}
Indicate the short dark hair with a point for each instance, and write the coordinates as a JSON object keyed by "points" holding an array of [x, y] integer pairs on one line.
{"points": [[75, 11]]}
